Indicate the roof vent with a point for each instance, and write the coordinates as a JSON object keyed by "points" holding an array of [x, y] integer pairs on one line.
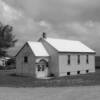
{"points": [[44, 35]]}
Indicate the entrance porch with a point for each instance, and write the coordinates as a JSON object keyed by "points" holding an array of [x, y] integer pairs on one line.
{"points": [[42, 68]]}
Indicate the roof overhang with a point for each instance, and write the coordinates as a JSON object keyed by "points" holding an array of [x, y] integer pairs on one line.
{"points": [[78, 52]]}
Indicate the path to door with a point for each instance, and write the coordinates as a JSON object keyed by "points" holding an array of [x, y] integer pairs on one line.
{"points": [[71, 93]]}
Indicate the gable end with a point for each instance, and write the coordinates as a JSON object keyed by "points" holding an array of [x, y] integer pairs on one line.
{"points": [[26, 44]]}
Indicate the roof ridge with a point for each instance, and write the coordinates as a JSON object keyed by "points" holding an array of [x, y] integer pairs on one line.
{"points": [[33, 42], [62, 39]]}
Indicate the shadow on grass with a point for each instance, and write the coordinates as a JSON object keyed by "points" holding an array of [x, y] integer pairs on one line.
{"points": [[15, 75]]}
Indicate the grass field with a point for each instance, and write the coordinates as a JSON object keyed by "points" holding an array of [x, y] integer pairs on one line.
{"points": [[82, 87], [64, 93], [10, 79]]}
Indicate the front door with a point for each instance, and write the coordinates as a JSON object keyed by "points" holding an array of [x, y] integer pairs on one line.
{"points": [[41, 69]]}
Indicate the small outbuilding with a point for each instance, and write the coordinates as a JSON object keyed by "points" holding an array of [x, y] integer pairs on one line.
{"points": [[55, 57], [3, 61]]}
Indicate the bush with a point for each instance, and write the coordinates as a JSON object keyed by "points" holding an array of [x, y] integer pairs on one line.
{"points": [[2, 67], [9, 67]]}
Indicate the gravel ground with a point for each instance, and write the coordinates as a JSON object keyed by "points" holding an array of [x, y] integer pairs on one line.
{"points": [[64, 93]]}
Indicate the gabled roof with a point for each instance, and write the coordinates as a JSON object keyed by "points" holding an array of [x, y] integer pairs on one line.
{"points": [[38, 49], [62, 45]]}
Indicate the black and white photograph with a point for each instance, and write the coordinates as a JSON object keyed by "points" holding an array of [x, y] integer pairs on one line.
{"points": [[49, 49]]}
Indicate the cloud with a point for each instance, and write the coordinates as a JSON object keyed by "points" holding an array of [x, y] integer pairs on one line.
{"points": [[23, 25], [72, 19], [87, 32], [7, 13], [59, 11], [77, 27]]}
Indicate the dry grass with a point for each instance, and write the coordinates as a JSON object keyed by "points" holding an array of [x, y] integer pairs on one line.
{"points": [[9, 81], [65, 93]]}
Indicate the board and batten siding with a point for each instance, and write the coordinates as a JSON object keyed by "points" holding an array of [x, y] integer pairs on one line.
{"points": [[73, 67], [53, 61], [22, 67]]}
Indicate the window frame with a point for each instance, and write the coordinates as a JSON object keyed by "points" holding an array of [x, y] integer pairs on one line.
{"points": [[78, 59], [69, 60], [43, 67], [87, 59], [87, 71], [68, 73], [38, 68], [78, 72], [25, 59]]}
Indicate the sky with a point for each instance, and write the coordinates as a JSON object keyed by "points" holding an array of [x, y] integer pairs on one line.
{"points": [[68, 19]]}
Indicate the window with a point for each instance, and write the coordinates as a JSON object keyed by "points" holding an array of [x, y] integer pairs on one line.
{"points": [[78, 59], [87, 59], [52, 75], [39, 68], [78, 72], [87, 71], [68, 59], [26, 59], [68, 73], [43, 68], [47, 65]]}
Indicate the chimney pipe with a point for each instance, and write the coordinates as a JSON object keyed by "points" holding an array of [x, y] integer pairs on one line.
{"points": [[44, 35]]}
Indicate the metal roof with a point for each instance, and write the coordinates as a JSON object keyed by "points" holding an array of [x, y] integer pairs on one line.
{"points": [[38, 49], [62, 45]]}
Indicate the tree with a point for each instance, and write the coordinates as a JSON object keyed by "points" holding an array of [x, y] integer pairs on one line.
{"points": [[7, 39]]}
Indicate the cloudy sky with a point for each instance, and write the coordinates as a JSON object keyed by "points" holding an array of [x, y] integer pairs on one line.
{"points": [[69, 19]]}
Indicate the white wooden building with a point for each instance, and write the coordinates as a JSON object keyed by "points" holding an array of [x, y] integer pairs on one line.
{"points": [[3, 61], [56, 57]]}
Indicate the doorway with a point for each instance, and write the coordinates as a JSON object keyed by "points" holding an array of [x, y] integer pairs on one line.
{"points": [[42, 68]]}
